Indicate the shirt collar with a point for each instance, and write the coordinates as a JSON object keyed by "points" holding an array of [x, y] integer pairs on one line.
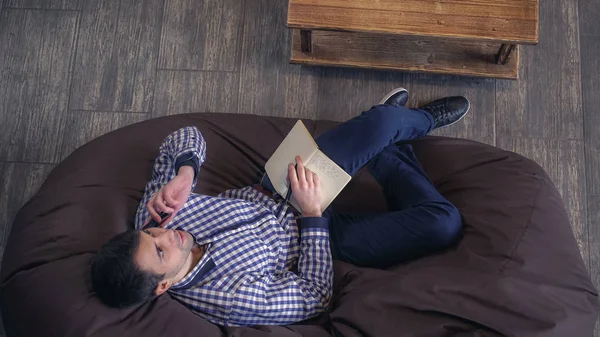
{"points": [[204, 266]]}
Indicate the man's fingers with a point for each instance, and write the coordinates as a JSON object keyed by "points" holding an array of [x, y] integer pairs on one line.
{"points": [[170, 201], [309, 176], [160, 205], [157, 204], [316, 181], [152, 210]]}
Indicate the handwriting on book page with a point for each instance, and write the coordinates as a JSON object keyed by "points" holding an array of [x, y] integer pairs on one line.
{"points": [[325, 167], [332, 177]]}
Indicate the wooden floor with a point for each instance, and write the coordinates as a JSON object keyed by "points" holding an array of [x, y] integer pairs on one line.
{"points": [[72, 70]]}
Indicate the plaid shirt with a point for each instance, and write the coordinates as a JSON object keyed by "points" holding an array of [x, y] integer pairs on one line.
{"points": [[257, 268]]}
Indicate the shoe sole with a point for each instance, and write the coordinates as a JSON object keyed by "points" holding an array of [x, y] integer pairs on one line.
{"points": [[392, 93], [461, 117]]}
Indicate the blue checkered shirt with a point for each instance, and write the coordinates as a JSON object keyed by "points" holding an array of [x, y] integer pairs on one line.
{"points": [[257, 269]]}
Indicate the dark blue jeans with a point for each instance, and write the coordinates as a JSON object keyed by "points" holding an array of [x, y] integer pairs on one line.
{"points": [[419, 219]]}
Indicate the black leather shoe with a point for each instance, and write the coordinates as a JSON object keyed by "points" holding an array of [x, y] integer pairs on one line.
{"points": [[396, 97], [447, 111]]}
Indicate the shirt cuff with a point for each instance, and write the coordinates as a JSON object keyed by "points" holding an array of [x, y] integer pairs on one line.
{"points": [[187, 159], [314, 222]]}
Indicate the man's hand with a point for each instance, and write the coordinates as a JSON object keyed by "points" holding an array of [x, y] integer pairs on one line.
{"points": [[306, 188], [171, 197]]}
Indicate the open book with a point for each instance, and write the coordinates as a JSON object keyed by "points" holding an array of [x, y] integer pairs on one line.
{"points": [[299, 142]]}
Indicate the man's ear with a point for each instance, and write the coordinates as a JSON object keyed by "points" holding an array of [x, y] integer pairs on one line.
{"points": [[163, 286]]}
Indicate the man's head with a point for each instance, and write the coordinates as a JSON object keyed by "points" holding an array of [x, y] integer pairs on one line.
{"points": [[135, 266]]}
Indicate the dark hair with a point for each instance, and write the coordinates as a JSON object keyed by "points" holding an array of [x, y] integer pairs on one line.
{"points": [[116, 278]]}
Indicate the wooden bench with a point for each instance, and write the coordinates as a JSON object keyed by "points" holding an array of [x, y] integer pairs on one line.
{"points": [[465, 37]]}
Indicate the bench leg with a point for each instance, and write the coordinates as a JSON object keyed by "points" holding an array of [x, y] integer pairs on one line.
{"points": [[503, 55], [306, 41]]}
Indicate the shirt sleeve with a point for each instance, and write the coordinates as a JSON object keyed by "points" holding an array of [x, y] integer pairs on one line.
{"points": [[185, 146], [290, 297]]}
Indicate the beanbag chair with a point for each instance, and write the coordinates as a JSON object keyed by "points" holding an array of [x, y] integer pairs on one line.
{"points": [[517, 270]]}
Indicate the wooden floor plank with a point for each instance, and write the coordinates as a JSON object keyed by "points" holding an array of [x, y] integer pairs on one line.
{"points": [[589, 14], [202, 35], [35, 63], [179, 92], [116, 57], [590, 68], [269, 85], [478, 124], [593, 202], [590, 80], [571, 183], [344, 92], [44, 4], [84, 126], [546, 102], [562, 161]]}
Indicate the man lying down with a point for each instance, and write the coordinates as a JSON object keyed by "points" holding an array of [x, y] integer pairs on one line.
{"points": [[247, 258]]}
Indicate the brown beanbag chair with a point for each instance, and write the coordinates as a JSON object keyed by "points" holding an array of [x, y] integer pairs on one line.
{"points": [[516, 272]]}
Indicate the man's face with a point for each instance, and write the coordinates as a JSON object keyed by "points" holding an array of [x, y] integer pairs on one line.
{"points": [[163, 251]]}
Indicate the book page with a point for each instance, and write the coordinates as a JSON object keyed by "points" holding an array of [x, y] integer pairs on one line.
{"points": [[332, 177], [298, 142]]}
